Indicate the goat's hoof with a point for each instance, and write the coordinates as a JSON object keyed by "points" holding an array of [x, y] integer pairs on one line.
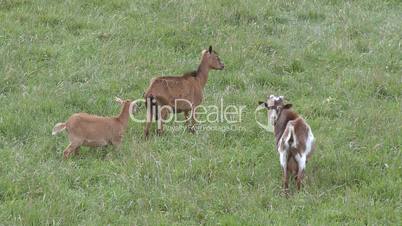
{"points": [[159, 132], [146, 136], [285, 193]]}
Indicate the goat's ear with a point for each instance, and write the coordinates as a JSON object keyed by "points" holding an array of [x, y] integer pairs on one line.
{"points": [[118, 100], [210, 49], [262, 102], [287, 106]]}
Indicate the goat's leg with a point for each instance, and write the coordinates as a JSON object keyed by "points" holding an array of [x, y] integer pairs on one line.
{"points": [[187, 118], [116, 142], [283, 158], [77, 151], [148, 122], [66, 151], [299, 180], [301, 162], [70, 149], [285, 181], [150, 111], [160, 127], [163, 116], [146, 130], [189, 121], [193, 121]]}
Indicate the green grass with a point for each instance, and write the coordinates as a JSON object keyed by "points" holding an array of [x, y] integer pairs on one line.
{"points": [[338, 62]]}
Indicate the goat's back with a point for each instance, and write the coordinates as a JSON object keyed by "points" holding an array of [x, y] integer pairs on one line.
{"points": [[169, 88], [303, 139], [92, 127]]}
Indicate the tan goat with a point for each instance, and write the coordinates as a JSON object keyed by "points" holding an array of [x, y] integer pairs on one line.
{"points": [[179, 93], [294, 139], [95, 131]]}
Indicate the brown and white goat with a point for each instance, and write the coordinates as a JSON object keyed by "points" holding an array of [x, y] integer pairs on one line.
{"points": [[179, 93], [294, 139], [95, 131]]}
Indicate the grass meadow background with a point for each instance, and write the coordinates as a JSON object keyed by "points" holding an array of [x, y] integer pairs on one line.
{"points": [[338, 62]]}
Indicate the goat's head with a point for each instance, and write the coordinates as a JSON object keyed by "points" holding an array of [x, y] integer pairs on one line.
{"points": [[127, 103], [213, 59], [275, 104]]}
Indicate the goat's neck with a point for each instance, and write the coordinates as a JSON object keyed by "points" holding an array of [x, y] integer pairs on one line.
{"points": [[124, 115], [202, 72]]}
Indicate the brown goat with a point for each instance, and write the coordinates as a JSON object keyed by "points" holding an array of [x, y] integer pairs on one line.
{"points": [[95, 131], [294, 139], [179, 93]]}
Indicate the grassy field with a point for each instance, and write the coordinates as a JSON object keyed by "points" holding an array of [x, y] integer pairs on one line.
{"points": [[338, 62]]}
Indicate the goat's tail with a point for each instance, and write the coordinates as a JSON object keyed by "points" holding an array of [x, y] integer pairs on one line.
{"points": [[292, 140], [59, 127]]}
